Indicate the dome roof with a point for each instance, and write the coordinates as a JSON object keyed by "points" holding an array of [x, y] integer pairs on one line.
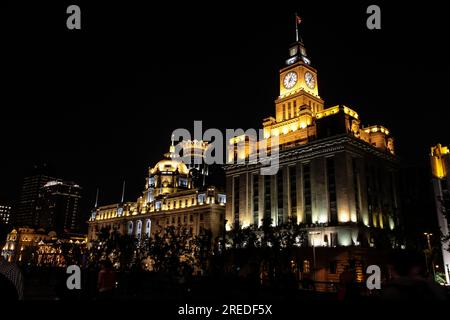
{"points": [[170, 165]]}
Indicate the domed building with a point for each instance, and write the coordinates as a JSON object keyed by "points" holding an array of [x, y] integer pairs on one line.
{"points": [[167, 176], [174, 195]]}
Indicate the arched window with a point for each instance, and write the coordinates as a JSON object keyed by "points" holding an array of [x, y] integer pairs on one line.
{"points": [[130, 228], [139, 229], [148, 225]]}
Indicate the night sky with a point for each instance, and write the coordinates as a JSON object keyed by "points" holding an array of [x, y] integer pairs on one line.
{"points": [[99, 105]]}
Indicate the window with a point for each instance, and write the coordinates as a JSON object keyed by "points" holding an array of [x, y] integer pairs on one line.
{"points": [[280, 193], [191, 218], [356, 189], [284, 112], [222, 198], [179, 220], [255, 199], [138, 229], [307, 193], [306, 266], [201, 198], [236, 199], [184, 219], [147, 228], [331, 182], [183, 183], [267, 200], [130, 227], [201, 216], [289, 110], [173, 220], [293, 192]]}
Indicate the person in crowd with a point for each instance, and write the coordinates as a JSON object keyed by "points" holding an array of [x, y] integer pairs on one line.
{"points": [[348, 288], [106, 280], [409, 281]]}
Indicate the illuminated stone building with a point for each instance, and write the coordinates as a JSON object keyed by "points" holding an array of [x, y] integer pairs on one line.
{"points": [[37, 246], [21, 239], [171, 197], [336, 177], [440, 167]]}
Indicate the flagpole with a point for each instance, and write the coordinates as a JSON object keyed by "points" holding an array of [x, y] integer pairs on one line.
{"points": [[296, 28]]}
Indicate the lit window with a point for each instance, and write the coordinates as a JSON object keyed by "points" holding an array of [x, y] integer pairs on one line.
{"points": [[306, 266]]}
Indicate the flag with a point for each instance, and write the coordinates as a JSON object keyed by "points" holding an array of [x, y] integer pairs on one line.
{"points": [[298, 20]]}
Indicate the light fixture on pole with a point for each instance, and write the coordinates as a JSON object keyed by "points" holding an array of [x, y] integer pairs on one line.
{"points": [[313, 233], [429, 235]]}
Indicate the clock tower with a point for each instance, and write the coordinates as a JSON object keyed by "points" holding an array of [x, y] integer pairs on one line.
{"points": [[298, 86]]}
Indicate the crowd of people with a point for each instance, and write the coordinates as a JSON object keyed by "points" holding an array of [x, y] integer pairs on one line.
{"points": [[407, 280]]}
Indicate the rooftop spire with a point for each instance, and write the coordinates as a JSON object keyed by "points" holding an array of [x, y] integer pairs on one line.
{"points": [[297, 51], [298, 20], [123, 191], [96, 199], [172, 146]]}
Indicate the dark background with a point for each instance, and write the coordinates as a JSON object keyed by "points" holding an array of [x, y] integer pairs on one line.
{"points": [[99, 105]]}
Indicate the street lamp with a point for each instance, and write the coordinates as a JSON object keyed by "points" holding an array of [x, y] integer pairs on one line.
{"points": [[428, 235]]}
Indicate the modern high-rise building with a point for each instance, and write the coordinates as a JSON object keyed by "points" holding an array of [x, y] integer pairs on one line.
{"points": [[57, 207], [5, 213], [336, 177], [24, 213], [440, 168]]}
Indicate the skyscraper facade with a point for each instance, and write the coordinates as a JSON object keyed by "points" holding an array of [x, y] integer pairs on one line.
{"points": [[24, 213], [57, 207], [5, 214]]}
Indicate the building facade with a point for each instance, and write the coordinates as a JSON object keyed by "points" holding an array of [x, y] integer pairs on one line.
{"points": [[336, 177], [440, 168], [38, 247], [25, 210], [57, 207], [22, 242], [174, 196]]}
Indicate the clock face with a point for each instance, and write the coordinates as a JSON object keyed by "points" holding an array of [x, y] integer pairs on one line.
{"points": [[290, 79], [310, 81]]}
